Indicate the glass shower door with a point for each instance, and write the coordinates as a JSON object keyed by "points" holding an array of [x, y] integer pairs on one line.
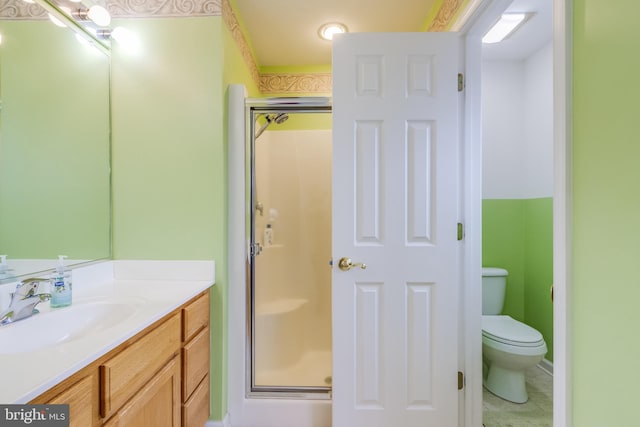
{"points": [[291, 235]]}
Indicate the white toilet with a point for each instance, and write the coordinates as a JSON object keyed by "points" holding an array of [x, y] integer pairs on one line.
{"points": [[509, 347]]}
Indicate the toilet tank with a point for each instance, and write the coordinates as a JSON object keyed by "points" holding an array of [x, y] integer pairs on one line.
{"points": [[494, 285]]}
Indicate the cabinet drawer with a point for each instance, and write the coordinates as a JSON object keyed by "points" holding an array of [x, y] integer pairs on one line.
{"points": [[195, 316], [196, 410], [125, 373], [195, 362]]}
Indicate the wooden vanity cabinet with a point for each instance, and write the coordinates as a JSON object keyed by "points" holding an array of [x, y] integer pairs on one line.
{"points": [[158, 378]]}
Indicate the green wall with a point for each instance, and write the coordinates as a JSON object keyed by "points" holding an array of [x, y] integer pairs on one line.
{"points": [[606, 206], [538, 268], [169, 157], [517, 235], [54, 148]]}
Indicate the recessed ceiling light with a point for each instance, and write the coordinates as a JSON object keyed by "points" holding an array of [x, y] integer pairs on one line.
{"points": [[508, 23], [327, 31]]}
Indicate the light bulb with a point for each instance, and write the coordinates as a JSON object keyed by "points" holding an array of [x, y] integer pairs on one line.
{"points": [[128, 40], [327, 31], [99, 15]]}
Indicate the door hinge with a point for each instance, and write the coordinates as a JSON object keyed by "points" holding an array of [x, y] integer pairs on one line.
{"points": [[460, 82], [460, 231], [460, 380]]}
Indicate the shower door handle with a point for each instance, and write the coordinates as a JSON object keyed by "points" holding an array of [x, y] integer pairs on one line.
{"points": [[345, 264], [255, 249]]}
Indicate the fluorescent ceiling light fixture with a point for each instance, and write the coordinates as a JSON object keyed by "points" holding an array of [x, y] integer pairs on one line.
{"points": [[508, 23], [327, 31]]}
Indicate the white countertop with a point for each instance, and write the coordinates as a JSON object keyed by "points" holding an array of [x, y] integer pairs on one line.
{"points": [[155, 287]]}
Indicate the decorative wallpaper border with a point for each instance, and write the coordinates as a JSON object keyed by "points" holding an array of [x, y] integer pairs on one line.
{"points": [[296, 83], [231, 21], [163, 8], [18, 9], [445, 15]]}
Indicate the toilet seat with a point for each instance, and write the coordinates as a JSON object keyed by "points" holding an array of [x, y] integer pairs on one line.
{"points": [[506, 330]]}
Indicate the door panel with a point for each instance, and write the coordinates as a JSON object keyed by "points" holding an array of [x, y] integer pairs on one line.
{"points": [[395, 200]]}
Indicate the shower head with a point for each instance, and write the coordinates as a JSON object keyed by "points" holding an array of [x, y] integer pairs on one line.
{"points": [[277, 118]]}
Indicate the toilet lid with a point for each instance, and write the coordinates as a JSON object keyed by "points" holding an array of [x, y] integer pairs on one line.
{"points": [[509, 331]]}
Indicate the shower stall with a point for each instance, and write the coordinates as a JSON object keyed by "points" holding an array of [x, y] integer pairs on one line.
{"points": [[289, 250]]}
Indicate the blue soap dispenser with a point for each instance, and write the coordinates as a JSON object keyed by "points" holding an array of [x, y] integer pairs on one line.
{"points": [[61, 285]]}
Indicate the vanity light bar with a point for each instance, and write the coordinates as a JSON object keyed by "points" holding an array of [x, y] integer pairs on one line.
{"points": [[96, 13]]}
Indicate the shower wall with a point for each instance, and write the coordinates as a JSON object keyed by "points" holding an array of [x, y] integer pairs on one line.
{"points": [[292, 274]]}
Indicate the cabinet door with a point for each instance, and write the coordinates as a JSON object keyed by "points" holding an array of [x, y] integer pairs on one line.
{"points": [[157, 404], [82, 402], [125, 373]]}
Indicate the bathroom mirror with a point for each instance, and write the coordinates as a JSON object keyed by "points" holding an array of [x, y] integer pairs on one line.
{"points": [[54, 143]]}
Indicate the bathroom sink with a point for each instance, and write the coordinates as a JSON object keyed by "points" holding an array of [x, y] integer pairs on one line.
{"points": [[63, 325]]}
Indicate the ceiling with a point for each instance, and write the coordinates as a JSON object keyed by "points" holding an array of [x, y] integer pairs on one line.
{"points": [[285, 32]]}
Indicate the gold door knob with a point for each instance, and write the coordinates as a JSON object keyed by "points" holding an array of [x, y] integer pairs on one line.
{"points": [[345, 264]]}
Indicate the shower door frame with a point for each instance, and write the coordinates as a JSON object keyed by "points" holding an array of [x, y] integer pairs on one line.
{"points": [[253, 108]]}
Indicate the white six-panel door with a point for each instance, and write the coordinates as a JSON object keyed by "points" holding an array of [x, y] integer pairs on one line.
{"points": [[395, 203]]}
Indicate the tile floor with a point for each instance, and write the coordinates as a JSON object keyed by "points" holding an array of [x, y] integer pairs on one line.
{"points": [[537, 412]]}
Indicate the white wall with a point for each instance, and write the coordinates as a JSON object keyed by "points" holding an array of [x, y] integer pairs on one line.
{"points": [[502, 129], [518, 127], [538, 124]]}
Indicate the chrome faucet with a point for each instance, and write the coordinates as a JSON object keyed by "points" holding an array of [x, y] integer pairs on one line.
{"points": [[24, 300]]}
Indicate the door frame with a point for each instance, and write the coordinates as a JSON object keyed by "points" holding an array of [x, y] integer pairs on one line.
{"points": [[246, 408], [562, 213], [253, 108], [472, 25], [479, 18]]}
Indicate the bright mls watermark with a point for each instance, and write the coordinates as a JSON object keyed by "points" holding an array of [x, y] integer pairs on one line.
{"points": [[34, 415]]}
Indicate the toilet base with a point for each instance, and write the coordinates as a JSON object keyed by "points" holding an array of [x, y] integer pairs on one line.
{"points": [[506, 384]]}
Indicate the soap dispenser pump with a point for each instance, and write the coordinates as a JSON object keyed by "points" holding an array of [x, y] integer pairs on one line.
{"points": [[61, 285]]}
